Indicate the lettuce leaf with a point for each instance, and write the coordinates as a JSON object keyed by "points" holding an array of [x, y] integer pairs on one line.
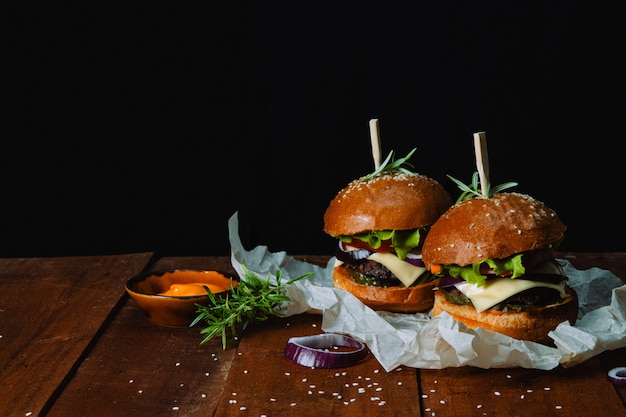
{"points": [[402, 241], [471, 273]]}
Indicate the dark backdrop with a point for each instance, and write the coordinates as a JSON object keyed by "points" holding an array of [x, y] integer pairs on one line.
{"points": [[144, 128]]}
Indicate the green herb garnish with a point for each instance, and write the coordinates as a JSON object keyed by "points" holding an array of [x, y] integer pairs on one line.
{"points": [[251, 300], [392, 165], [473, 190]]}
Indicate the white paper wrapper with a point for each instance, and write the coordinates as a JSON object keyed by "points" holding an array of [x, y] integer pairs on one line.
{"points": [[419, 341]]}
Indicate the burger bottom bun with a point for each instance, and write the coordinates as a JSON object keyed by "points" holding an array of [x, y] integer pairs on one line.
{"points": [[533, 325], [395, 299]]}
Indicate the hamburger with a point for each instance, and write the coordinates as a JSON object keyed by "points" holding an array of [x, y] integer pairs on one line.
{"points": [[496, 268], [380, 221]]}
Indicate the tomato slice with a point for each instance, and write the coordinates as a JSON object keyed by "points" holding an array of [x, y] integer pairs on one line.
{"points": [[385, 246]]}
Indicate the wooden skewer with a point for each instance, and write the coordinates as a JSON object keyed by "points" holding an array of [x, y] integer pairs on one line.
{"points": [[375, 138], [482, 161]]}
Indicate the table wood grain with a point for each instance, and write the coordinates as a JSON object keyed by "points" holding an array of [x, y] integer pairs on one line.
{"points": [[51, 312], [59, 361]]}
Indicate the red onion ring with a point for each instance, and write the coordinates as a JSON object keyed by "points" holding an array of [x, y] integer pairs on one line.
{"points": [[617, 376], [313, 351]]}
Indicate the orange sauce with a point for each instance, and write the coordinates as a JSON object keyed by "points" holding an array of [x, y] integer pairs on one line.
{"points": [[193, 288]]}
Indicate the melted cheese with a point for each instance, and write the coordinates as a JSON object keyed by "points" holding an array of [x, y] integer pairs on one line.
{"points": [[497, 290], [406, 272]]}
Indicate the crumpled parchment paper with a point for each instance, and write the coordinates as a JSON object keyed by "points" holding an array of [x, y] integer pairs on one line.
{"points": [[419, 341]]}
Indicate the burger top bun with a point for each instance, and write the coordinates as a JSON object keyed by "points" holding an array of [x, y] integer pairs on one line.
{"points": [[388, 201], [496, 227]]}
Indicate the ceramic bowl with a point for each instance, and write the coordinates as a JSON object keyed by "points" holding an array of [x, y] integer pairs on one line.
{"points": [[169, 297]]}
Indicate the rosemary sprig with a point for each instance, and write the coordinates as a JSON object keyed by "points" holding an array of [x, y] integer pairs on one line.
{"points": [[251, 300], [473, 190], [392, 165]]}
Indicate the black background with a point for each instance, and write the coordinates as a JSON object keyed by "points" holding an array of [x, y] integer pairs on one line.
{"points": [[144, 128]]}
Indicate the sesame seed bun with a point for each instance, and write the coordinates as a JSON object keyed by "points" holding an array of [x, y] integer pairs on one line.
{"points": [[395, 299], [496, 227], [390, 201], [533, 325]]}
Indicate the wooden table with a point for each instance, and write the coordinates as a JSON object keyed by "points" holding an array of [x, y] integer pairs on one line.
{"points": [[73, 344]]}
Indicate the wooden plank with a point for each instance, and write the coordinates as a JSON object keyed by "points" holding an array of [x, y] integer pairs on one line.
{"points": [[582, 390], [262, 381], [612, 261], [50, 311], [138, 368]]}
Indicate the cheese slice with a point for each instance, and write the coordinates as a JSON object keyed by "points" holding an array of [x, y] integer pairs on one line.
{"points": [[496, 290], [407, 273]]}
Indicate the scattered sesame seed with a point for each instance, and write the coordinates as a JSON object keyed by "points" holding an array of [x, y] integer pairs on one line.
{"points": [[309, 392], [320, 392], [497, 393], [292, 404], [232, 401], [175, 408], [203, 395], [233, 393], [442, 401], [361, 390], [376, 371], [547, 389], [558, 407], [424, 395], [130, 381], [245, 371], [479, 406], [206, 374], [314, 325], [287, 373], [177, 363], [508, 376], [140, 391], [28, 413], [379, 389], [273, 399], [522, 396], [242, 408], [382, 403], [529, 390]]}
